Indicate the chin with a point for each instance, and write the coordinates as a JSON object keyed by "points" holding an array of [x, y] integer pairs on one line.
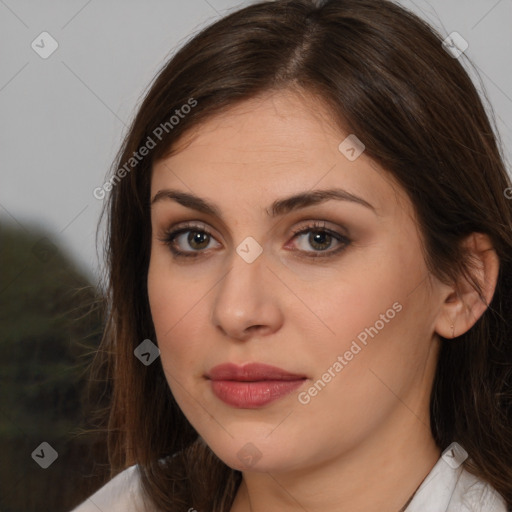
{"points": [[257, 454]]}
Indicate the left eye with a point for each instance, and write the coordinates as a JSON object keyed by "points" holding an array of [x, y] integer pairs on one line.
{"points": [[320, 239]]}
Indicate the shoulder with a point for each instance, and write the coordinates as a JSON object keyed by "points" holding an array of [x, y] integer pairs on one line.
{"points": [[121, 494], [449, 487]]}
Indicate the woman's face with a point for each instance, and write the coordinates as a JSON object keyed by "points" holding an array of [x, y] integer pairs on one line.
{"points": [[332, 290]]}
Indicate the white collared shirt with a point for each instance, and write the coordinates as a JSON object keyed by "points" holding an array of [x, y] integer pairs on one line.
{"points": [[450, 488], [447, 488]]}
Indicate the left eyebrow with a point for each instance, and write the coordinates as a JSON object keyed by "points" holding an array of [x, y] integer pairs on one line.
{"points": [[304, 199], [277, 208]]}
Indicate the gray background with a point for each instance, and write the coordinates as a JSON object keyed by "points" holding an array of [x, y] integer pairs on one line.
{"points": [[63, 118]]}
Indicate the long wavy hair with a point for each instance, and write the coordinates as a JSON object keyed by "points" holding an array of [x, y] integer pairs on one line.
{"points": [[385, 76]]}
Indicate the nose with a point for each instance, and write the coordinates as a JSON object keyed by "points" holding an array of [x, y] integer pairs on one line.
{"points": [[247, 301]]}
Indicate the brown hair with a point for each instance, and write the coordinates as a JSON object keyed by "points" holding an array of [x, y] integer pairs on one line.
{"points": [[385, 77]]}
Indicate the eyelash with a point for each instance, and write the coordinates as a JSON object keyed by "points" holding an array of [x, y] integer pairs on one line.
{"points": [[319, 227]]}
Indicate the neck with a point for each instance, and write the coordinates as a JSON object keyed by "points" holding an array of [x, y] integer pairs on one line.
{"points": [[375, 476]]}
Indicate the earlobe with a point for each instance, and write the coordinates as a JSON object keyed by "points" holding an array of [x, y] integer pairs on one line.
{"points": [[464, 305]]}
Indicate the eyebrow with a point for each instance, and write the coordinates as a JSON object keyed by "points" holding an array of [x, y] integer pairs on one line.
{"points": [[277, 208]]}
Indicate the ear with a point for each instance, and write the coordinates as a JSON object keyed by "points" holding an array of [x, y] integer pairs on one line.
{"points": [[463, 305]]}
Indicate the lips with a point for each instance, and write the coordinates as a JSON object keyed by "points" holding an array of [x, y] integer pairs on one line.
{"points": [[251, 372], [253, 385]]}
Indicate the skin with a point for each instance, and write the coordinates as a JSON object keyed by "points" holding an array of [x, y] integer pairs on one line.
{"points": [[363, 443]]}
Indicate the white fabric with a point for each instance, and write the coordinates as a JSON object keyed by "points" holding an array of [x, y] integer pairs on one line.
{"points": [[121, 494], [447, 488], [450, 488]]}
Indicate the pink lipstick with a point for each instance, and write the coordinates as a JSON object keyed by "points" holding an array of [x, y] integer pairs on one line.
{"points": [[252, 385]]}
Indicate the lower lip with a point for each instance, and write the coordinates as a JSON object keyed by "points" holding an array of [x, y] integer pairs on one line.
{"points": [[250, 395]]}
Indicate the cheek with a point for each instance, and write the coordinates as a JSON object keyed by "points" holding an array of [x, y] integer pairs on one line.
{"points": [[353, 297], [178, 310], [372, 312]]}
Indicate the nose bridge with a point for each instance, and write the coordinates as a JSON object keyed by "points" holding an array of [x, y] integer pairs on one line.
{"points": [[243, 285], [244, 298]]}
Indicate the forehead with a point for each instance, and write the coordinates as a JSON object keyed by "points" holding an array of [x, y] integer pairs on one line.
{"points": [[278, 144], [272, 128]]}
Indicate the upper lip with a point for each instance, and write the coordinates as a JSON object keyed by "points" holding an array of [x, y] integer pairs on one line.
{"points": [[251, 372]]}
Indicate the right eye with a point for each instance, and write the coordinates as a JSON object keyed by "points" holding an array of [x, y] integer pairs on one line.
{"points": [[196, 237]]}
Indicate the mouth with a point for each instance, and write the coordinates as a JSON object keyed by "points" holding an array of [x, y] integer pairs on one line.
{"points": [[251, 372], [253, 385]]}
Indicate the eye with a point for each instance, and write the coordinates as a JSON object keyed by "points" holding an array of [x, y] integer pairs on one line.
{"points": [[320, 239], [196, 237]]}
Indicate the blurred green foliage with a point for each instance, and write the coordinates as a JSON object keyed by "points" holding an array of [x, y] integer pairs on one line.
{"points": [[50, 325]]}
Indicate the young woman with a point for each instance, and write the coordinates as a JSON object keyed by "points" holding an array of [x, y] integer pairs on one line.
{"points": [[310, 274]]}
